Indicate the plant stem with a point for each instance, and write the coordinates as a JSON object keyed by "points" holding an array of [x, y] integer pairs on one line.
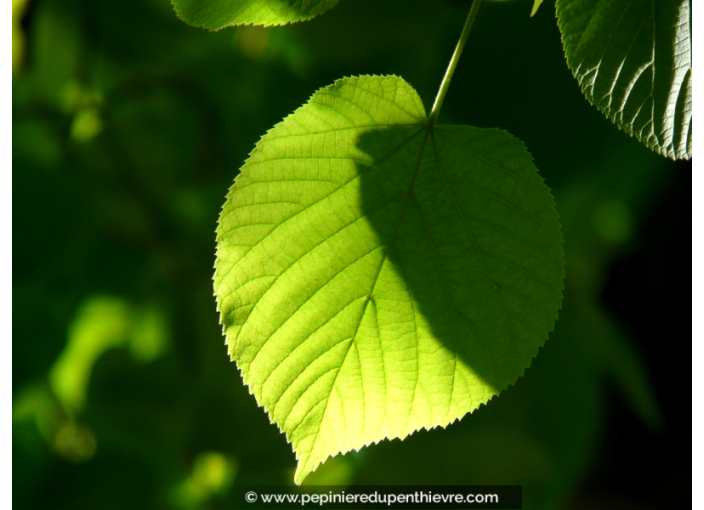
{"points": [[453, 62]]}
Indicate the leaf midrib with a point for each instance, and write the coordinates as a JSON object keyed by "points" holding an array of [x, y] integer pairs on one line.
{"points": [[426, 133]]}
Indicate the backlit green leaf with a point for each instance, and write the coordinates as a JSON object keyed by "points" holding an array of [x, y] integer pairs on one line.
{"points": [[633, 60], [376, 276], [217, 14]]}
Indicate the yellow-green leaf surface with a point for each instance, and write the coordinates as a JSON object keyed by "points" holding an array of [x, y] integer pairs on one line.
{"points": [[217, 14], [633, 60], [376, 276]]}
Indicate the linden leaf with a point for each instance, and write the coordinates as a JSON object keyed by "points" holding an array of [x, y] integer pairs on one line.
{"points": [[217, 14], [376, 276], [633, 61]]}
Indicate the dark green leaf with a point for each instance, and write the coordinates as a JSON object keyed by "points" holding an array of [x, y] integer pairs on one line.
{"points": [[633, 60]]}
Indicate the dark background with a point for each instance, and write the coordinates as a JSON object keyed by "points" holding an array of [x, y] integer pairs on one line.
{"points": [[128, 129]]}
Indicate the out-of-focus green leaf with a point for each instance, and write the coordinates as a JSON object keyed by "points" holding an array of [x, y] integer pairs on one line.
{"points": [[18, 9], [633, 61], [54, 66], [212, 474], [86, 125], [614, 353], [103, 323], [536, 6], [217, 14], [376, 275]]}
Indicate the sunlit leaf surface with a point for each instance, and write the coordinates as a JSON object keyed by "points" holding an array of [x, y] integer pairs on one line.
{"points": [[376, 276], [217, 14]]}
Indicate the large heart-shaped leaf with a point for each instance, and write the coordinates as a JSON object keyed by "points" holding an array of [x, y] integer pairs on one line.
{"points": [[376, 275], [217, 14], [633, 60]]}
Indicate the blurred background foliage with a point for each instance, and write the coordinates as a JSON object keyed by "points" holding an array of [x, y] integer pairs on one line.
{"points": [[128, 129]]}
